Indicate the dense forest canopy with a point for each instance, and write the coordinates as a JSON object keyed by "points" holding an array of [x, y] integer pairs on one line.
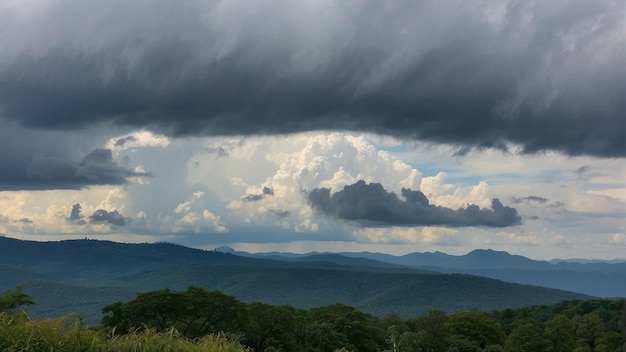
{"points": [[198, 320]]}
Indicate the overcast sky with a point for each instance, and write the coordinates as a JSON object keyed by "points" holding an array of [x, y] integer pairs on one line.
{"points": [[388, 126]]}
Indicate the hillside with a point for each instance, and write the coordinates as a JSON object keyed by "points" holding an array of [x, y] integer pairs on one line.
{"points": [[595, 278], [85, 275]]}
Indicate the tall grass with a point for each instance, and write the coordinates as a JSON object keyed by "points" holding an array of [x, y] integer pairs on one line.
{"points": [[19, 333]]}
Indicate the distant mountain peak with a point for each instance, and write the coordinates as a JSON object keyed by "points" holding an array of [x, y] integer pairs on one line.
{"points": [[225, 249], [487, 250]]}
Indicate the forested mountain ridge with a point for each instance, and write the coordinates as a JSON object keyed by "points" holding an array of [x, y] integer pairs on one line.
{"points": [[596, 278], [83, 275]]}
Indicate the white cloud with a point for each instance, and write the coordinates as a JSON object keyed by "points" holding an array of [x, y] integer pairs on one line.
{"points": [[192, 216], [437, 236], [293, 164], [139, 139]]}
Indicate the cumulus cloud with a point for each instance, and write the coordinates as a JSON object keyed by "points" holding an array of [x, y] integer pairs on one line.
{"points": [[546, 75], [101, 216], [192, 216], [371, 203], [263, 177]]}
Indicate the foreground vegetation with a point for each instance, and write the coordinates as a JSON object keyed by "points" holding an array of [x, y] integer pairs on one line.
{"points": [[200, 320], [19, 333]]}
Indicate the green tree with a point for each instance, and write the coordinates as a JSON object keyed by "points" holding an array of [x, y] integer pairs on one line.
{"points": [[458, 343], [589, 328], [194, 312], [411, 341], [610, 341], [13, 299], [433, 326], [208, 312], [339, 325], [528, 337], [474, 327], [268, 326], [156, 309], [560, 334]]}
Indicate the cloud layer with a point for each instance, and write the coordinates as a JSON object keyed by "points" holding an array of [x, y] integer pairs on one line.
{"points": [[371, 203], [546, 75], [248, 192], [58, 172]]}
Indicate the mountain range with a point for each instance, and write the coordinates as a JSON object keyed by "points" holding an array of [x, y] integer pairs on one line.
{"points": [[82, 276], [591, 277]]}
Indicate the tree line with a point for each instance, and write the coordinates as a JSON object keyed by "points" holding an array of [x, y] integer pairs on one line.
{"points": [[596, 325], [194, 314]]}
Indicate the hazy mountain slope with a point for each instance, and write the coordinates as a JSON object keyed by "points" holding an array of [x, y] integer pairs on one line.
{"points": [[602, 279], [599, 284], [55, 299], [375, 292], [84, 276]]}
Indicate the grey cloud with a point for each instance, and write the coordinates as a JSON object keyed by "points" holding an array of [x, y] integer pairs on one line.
{"points": [[255, 197], [281, 213], [476, 75], [60, 172], [36, 159], [540, 200], [557, 204], [583, 173], [24, 221], [372, 204], [220, 151], [581, 170], [75, 215], [121, 141], [99, 168], [112, 218], [252, 197]]}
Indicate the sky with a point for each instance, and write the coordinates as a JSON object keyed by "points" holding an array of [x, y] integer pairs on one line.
{"points": [[328, 125]]}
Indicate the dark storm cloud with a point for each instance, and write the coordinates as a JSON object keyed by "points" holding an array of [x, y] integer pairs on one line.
{"points": [[372, 204], [40, 160], [96, 168], [112, 218], [548, 75]]}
